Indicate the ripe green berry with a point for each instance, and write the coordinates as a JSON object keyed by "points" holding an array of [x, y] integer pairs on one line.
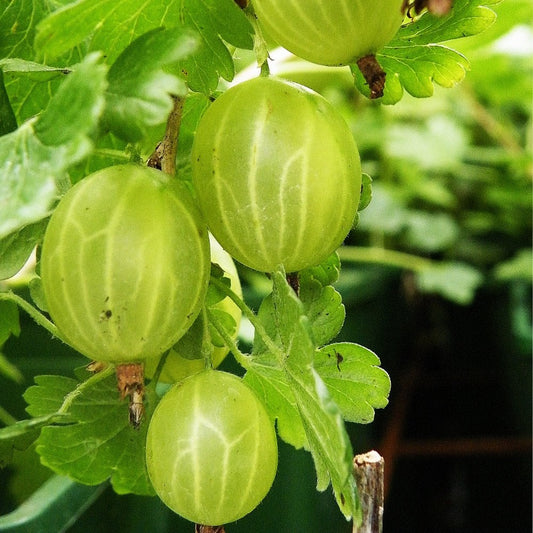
{"points": [[330, 33], [178, 364], [277, 174], [211, 449], [125, 264]]}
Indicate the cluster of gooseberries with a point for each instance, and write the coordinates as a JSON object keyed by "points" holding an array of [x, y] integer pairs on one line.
{"points": [[125, 262]]}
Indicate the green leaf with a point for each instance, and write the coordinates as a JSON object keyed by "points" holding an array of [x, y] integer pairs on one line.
{"points": [[35, 157], [8, 122], [100, 443], [272, 387], [455, 281], [9, 321], [355, 381], [519, 267], [110, 25], [17, 26], [32, 70], [414, 60], [20, 435], [431, 232], [23, 77], [16, 248], [139, 93], [322, 305], [366, 192], [298, 383]]}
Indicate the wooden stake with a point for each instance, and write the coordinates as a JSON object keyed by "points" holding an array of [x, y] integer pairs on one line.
{"points": [[368, 471]]}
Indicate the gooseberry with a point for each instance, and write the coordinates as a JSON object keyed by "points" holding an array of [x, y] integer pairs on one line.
{"points": [[277, 174]]}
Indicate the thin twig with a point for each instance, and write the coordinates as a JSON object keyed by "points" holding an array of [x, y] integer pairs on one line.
{"points": [[164, 156]]}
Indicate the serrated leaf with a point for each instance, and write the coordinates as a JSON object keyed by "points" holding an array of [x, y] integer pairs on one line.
{"points": [[320, 417], [355, 381], [112, 25], [414, 60], [47, 395], [323, 307], [100, 443], [326, 273], [366, 192], [456, 281], [35, 157], [140, 91]]}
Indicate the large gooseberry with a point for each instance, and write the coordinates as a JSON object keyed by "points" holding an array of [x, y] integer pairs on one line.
{"points": [[331, 32], [125, 263], [211, 449], [277, 174]]}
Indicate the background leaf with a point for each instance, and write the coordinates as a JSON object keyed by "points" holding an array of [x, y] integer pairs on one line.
{"points": [[456, 281]]}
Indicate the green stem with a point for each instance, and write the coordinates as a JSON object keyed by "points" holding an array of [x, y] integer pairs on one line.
{"points": [[110, 153], [382, 256], [260, 46], [160, 365], [250, 315], [33, 312], [6, 418], [241, 357], [95, 378]]}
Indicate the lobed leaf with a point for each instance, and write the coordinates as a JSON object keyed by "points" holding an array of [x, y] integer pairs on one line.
{"points": [[111, 25], [322, 305], [414, 60], [355, 381], [292, 389], [100, 443]]}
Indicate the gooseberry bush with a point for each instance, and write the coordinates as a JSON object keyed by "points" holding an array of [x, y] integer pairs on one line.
{"points": [[142, 172]]}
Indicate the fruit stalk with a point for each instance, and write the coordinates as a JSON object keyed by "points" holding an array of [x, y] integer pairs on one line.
{"points": [[374, 75], [164, 156], [199, 528]]}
